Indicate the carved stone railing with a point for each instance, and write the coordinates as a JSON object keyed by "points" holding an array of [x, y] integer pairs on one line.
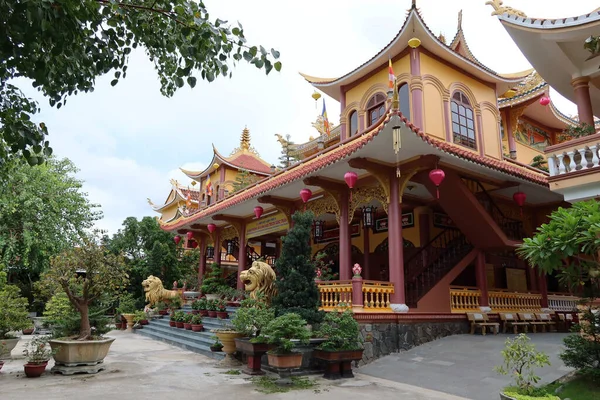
{"points": [[564, 303], [575, 155], [335, 294], [376, 295]]}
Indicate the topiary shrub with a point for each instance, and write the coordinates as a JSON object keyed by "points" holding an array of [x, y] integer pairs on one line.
{"points": [[340, 331], [13, 308], [213, 282]]}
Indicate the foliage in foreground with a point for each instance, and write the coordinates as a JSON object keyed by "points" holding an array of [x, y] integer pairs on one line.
{"points": [[13, 307], [580, 388], [520, 359], [583, 346], [63, 46], [268, 384], [340, 331]]}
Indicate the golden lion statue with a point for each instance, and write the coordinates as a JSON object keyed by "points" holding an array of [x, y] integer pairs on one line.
{"points": [[260, 278], [155, 291]]}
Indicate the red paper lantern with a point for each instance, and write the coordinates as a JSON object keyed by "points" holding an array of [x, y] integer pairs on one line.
{"points": [[545, 101], [211, 227], [193, 244], [437, 177], [190, 235], [177, 239], [258, 211], [519, 198], [350, 177], [305, 195]]}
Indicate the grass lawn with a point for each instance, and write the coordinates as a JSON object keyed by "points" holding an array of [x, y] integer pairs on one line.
{"points": [[578, 389]]}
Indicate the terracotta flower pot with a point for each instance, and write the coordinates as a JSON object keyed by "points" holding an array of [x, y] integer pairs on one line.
{"points": [[144, 322], [27, 331], [118, 325], [179, 324], [195, 312], [216, 349], [163, 312], [212, 314], [173, 324], [204, 313], [222, 314], [292, 360], [197, 327], [34, 370], [187, 326]]}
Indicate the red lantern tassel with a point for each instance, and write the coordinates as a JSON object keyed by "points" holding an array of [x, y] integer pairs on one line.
{"points": [[438, 192]]}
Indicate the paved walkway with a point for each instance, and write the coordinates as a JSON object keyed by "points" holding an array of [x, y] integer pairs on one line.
{"points": [[462, 365], [141, 368]]}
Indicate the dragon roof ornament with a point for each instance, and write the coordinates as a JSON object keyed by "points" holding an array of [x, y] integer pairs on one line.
{"points": [[500, 9]]}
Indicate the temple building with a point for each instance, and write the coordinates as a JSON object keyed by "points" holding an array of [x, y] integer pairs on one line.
{"points": [[434, 175]]}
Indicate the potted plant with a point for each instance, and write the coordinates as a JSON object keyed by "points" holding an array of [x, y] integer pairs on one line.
{"points": [[201, 305], [213, 282], [28, 331], [211, 307], [162, 308], [227, 336], [173, 321], [88, 274], [37, 352], [216, 346], [118, 323], [127, 309], [187, 321], [175, 303], [196, 306], [179, 319], [280, 332], [221, 306], [140, 317], [520, 359], [250, 319], [13, 314], [196, 323], [342, 344]]}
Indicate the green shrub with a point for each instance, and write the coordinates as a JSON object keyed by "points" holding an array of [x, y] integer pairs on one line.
{"points": [[583, 351], [213, 282], [251, 317], [139, 316], [340, 331], [520, 359], [126, 304], [199, 304], [537, 394], [13, 308], [281, 330], [196, 320], [58, 307], [68, 325]]}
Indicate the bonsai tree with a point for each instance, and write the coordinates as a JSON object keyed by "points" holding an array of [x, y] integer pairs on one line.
{"points": [[281, 330], [520, 359], [213, 282], [296, 288], [86, 274], [13, 308], [126, 304], [251, 318], [583, 346], [340, 331]]}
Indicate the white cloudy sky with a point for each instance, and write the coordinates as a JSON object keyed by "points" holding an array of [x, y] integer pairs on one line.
{"points": [[129, 141]]}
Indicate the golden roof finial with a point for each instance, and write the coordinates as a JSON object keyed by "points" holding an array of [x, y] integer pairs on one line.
{"points": [[500, 9], [245, 139]]}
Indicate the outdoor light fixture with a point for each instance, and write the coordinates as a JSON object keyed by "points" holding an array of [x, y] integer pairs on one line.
{"points": [[230, 245], [368, 216], [318, 226], [320, 143], [210, 252]]}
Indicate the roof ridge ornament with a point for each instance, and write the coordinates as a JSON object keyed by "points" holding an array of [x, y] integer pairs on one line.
{"points": [[459, 27], [500, 9]]}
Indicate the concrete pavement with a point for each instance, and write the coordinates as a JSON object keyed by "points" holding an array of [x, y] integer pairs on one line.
{"points": [[141, 368]]}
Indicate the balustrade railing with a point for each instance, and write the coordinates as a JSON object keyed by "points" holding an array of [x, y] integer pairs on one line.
{"points": [[575, 155], [562, 303], [376, 295], [464, 299], [335, 294], [507, 302]]}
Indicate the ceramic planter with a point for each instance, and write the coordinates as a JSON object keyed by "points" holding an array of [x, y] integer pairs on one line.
{"points": [[222, 314], [212, 314], [27, 331], [35, 370], [163, 312], [195, 312], [129, 318], [203, 313], [197, 328], [9, 346], [338, 364], [187, 326], [292, 360], [179, 324], [254, 353], [77, 352], [172, 323], [144, 322], [505, 397], [228, 340], [216, 349]]}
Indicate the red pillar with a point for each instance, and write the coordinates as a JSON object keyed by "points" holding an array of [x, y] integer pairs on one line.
{"points": [[241, 254], [345, 244], [482, 280], [582, 99], [357, 294], [217, 256], [395, 244], [202, 266], [543, 286], [533, 279], [367, 250]]}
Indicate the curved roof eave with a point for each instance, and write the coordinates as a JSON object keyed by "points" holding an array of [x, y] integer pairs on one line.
{"points": [[332, 86], [541, 24]]}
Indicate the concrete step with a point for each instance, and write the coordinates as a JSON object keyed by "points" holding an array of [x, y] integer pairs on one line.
{"points": [[204, 338], [179, 342], [209, 323]]}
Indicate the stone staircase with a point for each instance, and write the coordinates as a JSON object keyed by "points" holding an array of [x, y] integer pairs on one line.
{"points": [[198, 342]]}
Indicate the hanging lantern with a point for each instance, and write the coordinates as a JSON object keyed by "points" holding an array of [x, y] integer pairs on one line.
{"points": [[519, 198], [414, 42], [211, 227], [545, 101], [318, 226], [215, 165], [258, 211], [177, 239], [368, 214], [190, 235], [230, 247], [350, 177], [316, 95], [193, 244], [305, 195], [437, 177], [210, 252]]}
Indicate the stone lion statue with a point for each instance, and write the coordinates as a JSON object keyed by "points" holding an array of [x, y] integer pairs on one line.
{"points": [[260, 278], [155, 291]]}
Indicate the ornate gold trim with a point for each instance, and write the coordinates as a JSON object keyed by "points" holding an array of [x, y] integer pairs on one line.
{"points": [[366, 194], [499, 9], [327, 204]]}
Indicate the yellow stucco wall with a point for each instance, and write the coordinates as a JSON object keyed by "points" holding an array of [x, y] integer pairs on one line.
{"points": [[169, 213], [491, 129], [433, 106], [525, 153]]}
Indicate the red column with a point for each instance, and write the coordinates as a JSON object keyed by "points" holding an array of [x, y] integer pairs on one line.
{"points": [[395, 243], [543, 286], [582, 99], [367, 250], [482, 280], [241, 254], [202, 266], [345, 244], [357, 295], [533, 279], [217, 256]]}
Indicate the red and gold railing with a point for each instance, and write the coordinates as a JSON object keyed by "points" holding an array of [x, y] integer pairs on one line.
{"points": [[359, 295], [464, 299], [376, 295], [335, 294], [507, 301]]}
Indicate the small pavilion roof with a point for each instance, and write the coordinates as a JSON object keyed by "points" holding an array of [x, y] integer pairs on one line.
{"points": [[414, 25], [177, 194]]}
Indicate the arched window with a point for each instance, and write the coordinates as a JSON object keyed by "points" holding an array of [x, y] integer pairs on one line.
{"points": [[463, 124], [376, 108], [404, 98], [353, 125]]}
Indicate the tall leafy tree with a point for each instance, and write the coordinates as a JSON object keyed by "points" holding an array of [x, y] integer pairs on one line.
{"points": [[64, 45], [297, 291], [43, 211], [288, 153], [244, 179]]}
